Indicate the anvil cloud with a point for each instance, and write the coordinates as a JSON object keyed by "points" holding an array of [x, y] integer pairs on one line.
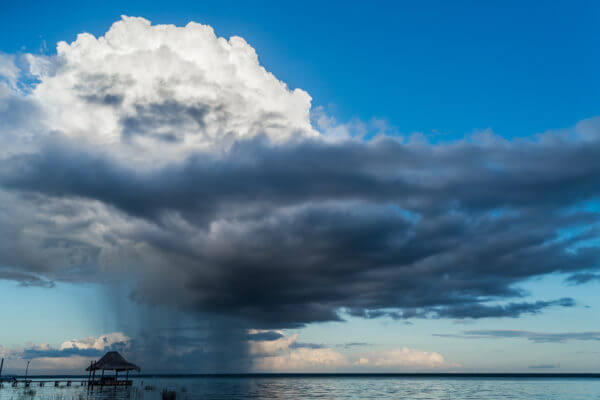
{"points": [[171, 157]]}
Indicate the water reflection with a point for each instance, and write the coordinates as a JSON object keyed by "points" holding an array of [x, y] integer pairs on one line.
{"points": [[321, 388]]}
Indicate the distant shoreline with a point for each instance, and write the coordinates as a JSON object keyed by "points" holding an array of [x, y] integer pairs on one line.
{"points": [[343, 375]]}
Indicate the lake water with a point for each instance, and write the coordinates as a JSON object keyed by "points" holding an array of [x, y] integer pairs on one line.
{"points": [[325, 388]]}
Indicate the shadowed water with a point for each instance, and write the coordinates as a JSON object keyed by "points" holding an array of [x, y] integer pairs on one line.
{"points": [[325, 388]]}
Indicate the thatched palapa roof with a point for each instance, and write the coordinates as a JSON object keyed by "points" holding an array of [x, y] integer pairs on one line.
{"points": [[113, 361]]}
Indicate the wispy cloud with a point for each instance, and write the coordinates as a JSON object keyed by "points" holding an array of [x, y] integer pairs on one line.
{"points": [[264, 335], [537, 337], [581, 278], [352, 345], [544, 366]]}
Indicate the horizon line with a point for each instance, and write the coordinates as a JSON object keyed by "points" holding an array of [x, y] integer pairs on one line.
{"points": [[345, 374]]}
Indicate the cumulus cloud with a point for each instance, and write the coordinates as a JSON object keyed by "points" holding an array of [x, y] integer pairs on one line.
{"points": [[284, 355], [158, 92], [396, 359], [8, 69], [268, 351], [98, 343], [287, 354], [170, 158], [70, 356]]}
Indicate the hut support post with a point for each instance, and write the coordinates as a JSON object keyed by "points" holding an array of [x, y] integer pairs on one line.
{"points": [[94, 375], [102, 379], [90, 374]]}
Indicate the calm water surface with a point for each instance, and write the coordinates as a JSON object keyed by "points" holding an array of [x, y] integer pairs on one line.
{"points": [[326, 388]]}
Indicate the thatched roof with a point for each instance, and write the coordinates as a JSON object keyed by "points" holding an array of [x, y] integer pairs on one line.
{"points": [[113, 361]]}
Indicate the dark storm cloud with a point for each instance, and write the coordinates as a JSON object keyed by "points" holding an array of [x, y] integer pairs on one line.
{"points": [[536, 337], [221, 346], [468, 310], [283, 235], [24, 279], [511, 310]]}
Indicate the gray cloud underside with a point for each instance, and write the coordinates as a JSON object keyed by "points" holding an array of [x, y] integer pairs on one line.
{"points": [[308, 228], [536, 337], [265, 336], [584, 277], [24, 279], [57, 353]]}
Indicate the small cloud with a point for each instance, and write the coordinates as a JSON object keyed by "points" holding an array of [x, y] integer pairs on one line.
{"points": [[301, 345], [352, 344], [581, 278], [402, 358], [536, 337], [543, 366], [463, 322], [259, 336]]}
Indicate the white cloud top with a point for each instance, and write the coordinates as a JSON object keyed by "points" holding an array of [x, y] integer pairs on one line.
{"points": [[8, 70], [165, 90], [98, 343]]}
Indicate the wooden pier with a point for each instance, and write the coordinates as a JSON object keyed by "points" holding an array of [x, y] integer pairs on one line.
{"points": [[111, 361], [63, 383], [42, 383]]}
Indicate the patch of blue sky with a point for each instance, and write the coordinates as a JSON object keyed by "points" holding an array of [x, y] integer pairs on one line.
{"points": [[443, 69], [50, 315]]}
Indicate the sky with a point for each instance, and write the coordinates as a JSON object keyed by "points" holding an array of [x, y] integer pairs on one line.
{"points": [[306, 187]]}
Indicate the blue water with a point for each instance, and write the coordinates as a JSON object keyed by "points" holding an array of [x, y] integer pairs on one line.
{"points": [[433, 388]]}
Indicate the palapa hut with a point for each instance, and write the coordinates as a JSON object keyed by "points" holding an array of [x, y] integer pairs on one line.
{"points": [[111, 361]]}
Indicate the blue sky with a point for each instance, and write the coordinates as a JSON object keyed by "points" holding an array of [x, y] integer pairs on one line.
{"points": [[445, 70], [516, 67]]}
